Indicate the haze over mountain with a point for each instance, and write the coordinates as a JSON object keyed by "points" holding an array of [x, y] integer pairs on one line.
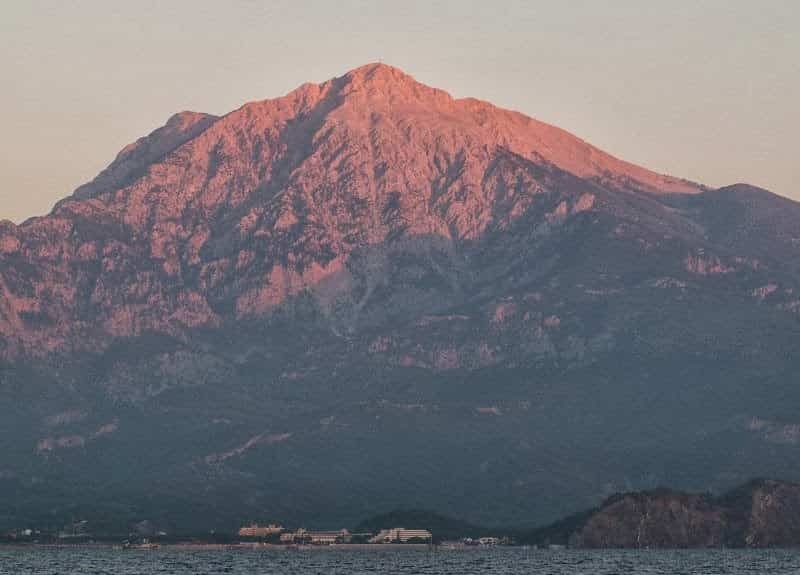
{"points": [[367, 295]]}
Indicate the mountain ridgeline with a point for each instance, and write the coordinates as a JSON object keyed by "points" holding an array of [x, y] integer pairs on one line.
{"points": [[366, 295], [758, 514]]}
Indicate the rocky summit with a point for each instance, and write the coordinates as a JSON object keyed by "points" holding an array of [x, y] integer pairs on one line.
{"points": [[367, 295]]}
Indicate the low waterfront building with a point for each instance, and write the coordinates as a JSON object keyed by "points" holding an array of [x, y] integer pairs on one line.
{"points": [[329, 537], [402, 535], [302, 536], [255, 530], [486, 541]]}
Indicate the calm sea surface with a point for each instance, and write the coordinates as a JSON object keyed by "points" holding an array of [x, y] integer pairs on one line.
{"points": [[455, 562]]}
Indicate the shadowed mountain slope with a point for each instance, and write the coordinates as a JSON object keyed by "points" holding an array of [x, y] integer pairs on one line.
{"points": [[761, 513]]}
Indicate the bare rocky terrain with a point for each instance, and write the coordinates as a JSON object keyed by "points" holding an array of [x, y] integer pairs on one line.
{"points": [[759, 514], [366, 295]]}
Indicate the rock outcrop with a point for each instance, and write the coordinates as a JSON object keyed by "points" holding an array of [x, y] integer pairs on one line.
{"points": [[764, 513]]}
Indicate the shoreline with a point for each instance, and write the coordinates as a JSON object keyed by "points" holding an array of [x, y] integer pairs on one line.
{"points": [[222, 546]]}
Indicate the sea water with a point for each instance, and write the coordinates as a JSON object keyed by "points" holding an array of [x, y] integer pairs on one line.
{"points": [[334, 561]]}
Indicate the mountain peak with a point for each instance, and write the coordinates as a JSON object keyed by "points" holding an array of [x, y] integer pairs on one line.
{"points": [[378, 81], [378, 72]]}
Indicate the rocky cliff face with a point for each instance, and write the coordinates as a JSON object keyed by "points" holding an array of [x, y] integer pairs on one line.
{"points": [[759, 514], [369, 281]]}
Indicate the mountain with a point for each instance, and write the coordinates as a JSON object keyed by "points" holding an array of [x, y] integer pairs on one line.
{"points": [[369, 295], [761, 513]]}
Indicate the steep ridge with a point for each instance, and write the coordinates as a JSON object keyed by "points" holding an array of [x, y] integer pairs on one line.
{"points": [[134, 159], [369, 283], [761, 513]]}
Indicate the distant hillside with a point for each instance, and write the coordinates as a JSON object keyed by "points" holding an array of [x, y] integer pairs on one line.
{"points": [[556, 533], [761, 513]]}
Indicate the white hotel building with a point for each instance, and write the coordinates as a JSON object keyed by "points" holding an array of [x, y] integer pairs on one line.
{"points": [[401, 535]]}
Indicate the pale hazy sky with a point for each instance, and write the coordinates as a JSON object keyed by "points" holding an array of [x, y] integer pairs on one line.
{"points": [[708, 90]]}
